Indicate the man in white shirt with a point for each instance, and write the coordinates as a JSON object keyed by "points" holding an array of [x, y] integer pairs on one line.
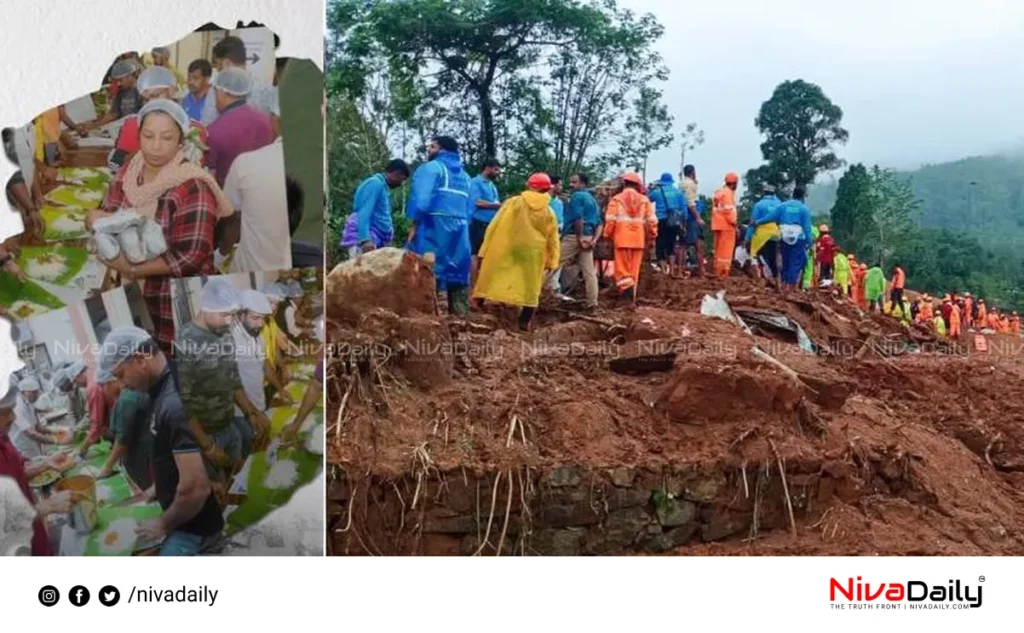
{"points": [[27, 433], [256, 187], [250, 352]]}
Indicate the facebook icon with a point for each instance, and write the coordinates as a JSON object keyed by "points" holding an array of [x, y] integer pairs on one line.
{"points": [[79, 596]]}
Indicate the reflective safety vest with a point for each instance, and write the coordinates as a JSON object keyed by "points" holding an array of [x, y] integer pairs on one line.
{"points": [[626, 218], [723, 211]]}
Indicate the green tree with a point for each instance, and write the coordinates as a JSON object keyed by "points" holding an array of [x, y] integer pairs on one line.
{"points": [[691, 138], [894, 209], [801, 126], [852, 218], [649, 130]]}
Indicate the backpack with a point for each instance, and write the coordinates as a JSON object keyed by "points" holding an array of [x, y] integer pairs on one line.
{"points": [[675, 216]]}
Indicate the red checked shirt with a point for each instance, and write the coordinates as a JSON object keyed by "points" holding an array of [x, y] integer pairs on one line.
{"points": [[187, 215]]}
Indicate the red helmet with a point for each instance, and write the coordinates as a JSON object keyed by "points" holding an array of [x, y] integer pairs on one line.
{"points": [[539, 182], [732, 178]]}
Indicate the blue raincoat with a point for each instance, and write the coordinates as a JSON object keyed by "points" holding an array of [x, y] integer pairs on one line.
{"points": [[438, 205], [793, 218], [667, 197]]}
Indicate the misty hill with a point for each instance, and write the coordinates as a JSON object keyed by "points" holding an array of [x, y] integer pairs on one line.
{"points": [[982, 195]]}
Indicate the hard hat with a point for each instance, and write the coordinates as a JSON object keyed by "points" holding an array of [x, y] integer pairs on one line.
{"points": [[732, 178], [823, 228], [981, 301], [864, 266], [539, 182], [632, 177], [967, 294]]}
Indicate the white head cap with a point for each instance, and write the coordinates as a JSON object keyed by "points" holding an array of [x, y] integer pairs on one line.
{"points": [[29, 383], [218, 296], [234, 81], [256, 302]]}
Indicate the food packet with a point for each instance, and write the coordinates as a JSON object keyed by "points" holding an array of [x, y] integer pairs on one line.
{"points": [[117, 222], [131, 243], [107, 246], [153, 242]]}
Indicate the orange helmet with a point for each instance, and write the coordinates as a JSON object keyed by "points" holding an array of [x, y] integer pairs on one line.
{"points": [[732, 178], [632, 177], [539, 182], [823, 228], [863, 266]]}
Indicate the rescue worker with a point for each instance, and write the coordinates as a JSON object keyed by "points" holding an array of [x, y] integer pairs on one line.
{"points": [[627, 215], [857, 273], [437, 206], [940, 325], [926, 312], [519, 248], [795, 234], [954, 321], [874, 287], [825, 253], [810, 271], [899, 279], [1015, 323], [842, 272], [993, 319], [723, 224], [762, 241], [1004, 324], [981, 320], [968, 310]]}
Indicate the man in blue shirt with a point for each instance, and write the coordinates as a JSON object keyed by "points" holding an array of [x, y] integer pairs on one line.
{"points": [[582, 226], [483, 206], [763, 242], [669, 206], [370, 225], [199, 102]]}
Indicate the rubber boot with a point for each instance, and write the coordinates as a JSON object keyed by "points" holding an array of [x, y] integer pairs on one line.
{"points": [[458, 300]]}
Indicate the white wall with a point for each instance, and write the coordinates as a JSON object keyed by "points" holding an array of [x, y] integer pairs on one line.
{"points": [[54, 330], [118, 311]]}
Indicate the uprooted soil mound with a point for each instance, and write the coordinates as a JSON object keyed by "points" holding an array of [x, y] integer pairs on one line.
{"points": [[655, 429]]}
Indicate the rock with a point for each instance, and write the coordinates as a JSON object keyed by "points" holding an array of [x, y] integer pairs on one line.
{"points": [[441, 521], [724, 525], [674, 512], [622, 477], [564, 508], [619, 498], [565, 476], [566, 542], [703, 487], [621, 530], [671, 539], [390, 278]]}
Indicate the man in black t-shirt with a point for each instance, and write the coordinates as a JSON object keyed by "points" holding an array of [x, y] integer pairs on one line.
{"points": [[191, 515]]}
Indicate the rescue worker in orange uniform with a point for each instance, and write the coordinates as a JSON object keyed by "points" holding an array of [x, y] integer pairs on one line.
{"points": [[723, 224], [1004, 324], [954, 319], [968, 309], [1015, 323], [925, 313], [629, 222], [993, 319], [982, 321], [859, 297]]}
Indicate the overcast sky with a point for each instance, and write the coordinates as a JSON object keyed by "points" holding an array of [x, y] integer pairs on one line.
{"points": [[919, 81]]}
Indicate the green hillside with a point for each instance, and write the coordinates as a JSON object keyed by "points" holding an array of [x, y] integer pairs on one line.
{"points": [[982, 196]]}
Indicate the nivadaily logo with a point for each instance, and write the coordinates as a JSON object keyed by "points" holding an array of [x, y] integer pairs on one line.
{"points": [[914, 594]]}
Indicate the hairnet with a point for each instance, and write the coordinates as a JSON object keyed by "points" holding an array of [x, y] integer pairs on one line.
{"points": [[74, 369], [29, 383], [10, 398], [161, 50], [256, 302], [169, 108], [123, 68], [292, 289], [218, 296], [274, 291], [121, 343], [61, 379], [156, 77], [234, 81]]}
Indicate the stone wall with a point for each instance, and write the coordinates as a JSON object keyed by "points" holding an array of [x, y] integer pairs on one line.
{"points": [[565, 511]]}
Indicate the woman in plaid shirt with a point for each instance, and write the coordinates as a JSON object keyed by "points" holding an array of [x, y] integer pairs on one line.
{"points": [[160, 183]]}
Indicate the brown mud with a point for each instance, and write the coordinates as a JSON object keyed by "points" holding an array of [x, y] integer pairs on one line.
{"points": [[653, 429]]}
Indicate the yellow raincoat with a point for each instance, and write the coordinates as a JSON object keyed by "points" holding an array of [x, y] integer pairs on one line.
{"points": [[520, 243], [763, 234], [842, 273]]}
